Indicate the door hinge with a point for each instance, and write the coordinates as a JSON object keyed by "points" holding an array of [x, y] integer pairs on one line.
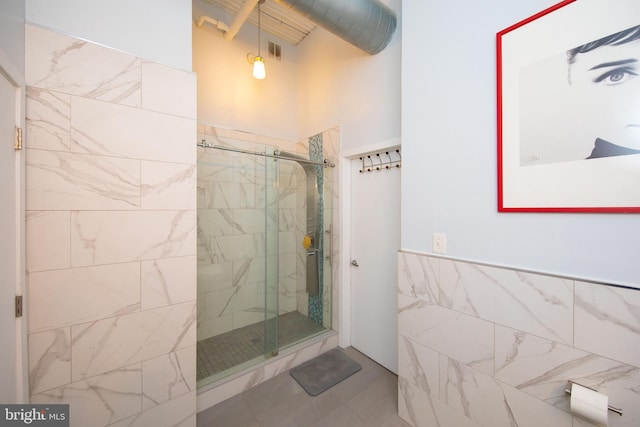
{"points": [[18, 305], [17, 145]]}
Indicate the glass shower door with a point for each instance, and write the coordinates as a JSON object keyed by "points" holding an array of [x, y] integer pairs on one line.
{"points": [[271, 272], [263, 232]]}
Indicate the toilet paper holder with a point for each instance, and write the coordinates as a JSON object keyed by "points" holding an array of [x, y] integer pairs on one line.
{"points": [[568, 391]]}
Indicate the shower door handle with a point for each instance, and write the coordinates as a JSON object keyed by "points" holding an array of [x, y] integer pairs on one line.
{"points": [[355, 263]]}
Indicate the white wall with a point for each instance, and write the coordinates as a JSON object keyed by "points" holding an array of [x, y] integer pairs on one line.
{"points": [[228, 95], [449, 155], [157, 30], [12, 33], [321, 83], [341, 85]]}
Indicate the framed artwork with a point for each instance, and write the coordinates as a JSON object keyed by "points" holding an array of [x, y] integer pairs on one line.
{"points": [[568, 92]]}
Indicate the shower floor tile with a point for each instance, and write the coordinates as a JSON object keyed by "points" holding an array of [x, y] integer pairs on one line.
{"points": [[224, 351]]}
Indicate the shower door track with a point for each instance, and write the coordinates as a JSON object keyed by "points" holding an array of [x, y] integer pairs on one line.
{"points": [[325, 163]]}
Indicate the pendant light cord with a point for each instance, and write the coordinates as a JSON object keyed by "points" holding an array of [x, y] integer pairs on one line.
{"points": [[259, 54]]}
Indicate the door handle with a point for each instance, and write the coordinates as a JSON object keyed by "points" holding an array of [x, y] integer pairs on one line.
{"points": [[355, 263]]}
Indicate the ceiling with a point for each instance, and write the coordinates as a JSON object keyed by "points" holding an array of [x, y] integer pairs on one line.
{"points": [[275, 19]]}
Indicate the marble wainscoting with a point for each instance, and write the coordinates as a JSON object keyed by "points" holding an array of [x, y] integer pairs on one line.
{"points": [[111, 233], [489, 346]]}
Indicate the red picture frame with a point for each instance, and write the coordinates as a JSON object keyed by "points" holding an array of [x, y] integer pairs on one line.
{"points": [[563, 144]]}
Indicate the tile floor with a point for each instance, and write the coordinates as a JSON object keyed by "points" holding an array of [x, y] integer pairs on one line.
{"points": [[224, 351], [367, 398]]}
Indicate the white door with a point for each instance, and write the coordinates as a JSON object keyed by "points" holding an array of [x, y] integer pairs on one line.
{"points": [[10, 328], [375, 241]]}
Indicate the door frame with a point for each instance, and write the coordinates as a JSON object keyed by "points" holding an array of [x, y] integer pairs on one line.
{"points": [[344, 323], [15, 77]]}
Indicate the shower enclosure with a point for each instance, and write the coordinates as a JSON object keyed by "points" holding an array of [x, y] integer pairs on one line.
{"points": [[264, 279]]}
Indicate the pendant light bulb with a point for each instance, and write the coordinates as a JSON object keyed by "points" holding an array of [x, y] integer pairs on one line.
{"points": [[258, 68], [258, 62]]}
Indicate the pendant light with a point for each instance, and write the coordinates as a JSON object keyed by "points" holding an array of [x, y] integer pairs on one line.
{"points": [[258, 62]]}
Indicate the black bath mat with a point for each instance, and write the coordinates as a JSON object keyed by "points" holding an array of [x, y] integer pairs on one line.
{"points": [[323, 372]]}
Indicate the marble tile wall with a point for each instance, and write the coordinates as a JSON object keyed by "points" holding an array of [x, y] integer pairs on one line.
{"points": [[488, 346], [231, 202], [231, 224], [111, 233]]}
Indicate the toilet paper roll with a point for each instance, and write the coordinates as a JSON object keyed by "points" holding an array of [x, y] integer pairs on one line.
{"points": [[589, 404]]}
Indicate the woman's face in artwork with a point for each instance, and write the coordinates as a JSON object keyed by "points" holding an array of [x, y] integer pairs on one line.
{"points": [[608, 76]]}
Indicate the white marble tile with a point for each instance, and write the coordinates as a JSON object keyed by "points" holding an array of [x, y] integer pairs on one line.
{"points": [[534, 303], [539, 366], [417, 276], [287, 242], [114, 130], [411, 313], [287, 304], [605, 317], [542, 368], [226, 195], [215, 222], [180, 412], [420, 409], [100, 400], [214, 277], [490, 403], [302, 302], [168, 376], [65, 64], [71, 296], [419, 365], [465, 338], [48, 240], [327, 296], [107, 344], [230, 137], [250, 270], [287, 274], [231, 300], [526, 411], [49, 359], [48, 119], [283, 144], [167, 281], [331, 143], [248, 221], [247, 317], [238, 247], [167, 186], [71, 181], [249, 170], [211, 327], [168, 90], [122, 236], [214, 165]]}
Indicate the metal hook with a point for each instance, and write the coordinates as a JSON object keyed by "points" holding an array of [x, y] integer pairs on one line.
{"points": [[370, 161]]}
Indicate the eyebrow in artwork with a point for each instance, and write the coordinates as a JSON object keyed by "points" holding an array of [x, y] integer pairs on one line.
{"points": [[613, 64]]}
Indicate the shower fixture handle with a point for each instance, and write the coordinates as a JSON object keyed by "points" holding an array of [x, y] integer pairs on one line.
{"points": [[355, 263]]}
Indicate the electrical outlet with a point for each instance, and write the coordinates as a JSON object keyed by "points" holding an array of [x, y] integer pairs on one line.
{"points": [[440, 243]]}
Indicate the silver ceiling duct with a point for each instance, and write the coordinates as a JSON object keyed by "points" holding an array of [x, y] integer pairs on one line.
{"points": [[366, 24]]}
